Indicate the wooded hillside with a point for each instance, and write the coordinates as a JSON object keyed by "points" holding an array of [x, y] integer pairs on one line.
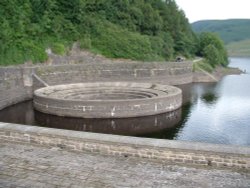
{"points": [[147, 30], [231, 30], [135, 29], [234, 32]]}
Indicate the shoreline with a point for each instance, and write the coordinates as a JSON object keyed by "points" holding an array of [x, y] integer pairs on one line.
{"points": [[204, 76]]}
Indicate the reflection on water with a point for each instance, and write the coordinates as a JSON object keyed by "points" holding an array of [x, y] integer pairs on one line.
{"points": [[209, 98], [220, 112], [212, 112], [23, 113], [123, 126], [172, 133]]}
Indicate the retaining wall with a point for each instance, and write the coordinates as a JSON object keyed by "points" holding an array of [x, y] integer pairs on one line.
{"points": [[15, 85], [162, 150], [164, 73]]}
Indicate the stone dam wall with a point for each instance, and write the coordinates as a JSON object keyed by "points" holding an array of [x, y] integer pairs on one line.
{"points": [[164, 73], [176, 152], [18, 83]]}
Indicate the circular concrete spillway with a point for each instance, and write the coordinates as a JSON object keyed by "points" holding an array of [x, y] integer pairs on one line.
{"points": [[107, 99]]}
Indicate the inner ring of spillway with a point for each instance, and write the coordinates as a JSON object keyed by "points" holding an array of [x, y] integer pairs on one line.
{"points": [[102, 94]]}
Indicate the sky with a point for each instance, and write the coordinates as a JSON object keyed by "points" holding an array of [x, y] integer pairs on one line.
{"points": [[214, 9]]}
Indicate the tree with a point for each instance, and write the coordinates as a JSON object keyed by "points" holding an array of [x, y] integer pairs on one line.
{"points": [[211, 46], [212, 55]]}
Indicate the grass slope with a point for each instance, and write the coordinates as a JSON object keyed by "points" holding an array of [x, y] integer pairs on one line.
{"points": [[240, 48]]}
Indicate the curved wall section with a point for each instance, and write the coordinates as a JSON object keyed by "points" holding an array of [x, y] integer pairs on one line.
{"points": [[107, 99]]}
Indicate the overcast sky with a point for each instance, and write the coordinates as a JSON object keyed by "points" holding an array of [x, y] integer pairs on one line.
{"points": [[214, 9]]}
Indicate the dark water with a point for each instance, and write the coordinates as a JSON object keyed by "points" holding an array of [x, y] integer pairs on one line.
{"points": [[212, 112]]}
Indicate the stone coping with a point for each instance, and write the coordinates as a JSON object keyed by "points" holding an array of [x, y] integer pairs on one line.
{"points": [[127, 140], [184, 63]]}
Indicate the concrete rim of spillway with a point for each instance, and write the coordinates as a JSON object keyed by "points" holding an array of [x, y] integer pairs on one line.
{"points": [[107, 99]]}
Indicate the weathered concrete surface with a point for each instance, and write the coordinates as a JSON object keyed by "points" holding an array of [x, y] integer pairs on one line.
{"points": [[32, 166], [107, 99]]}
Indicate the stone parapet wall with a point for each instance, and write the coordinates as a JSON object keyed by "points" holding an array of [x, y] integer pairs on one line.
{"points": [[162, 150]]}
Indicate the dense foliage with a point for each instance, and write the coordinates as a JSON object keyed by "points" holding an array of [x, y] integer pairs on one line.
{"points": [[211, 47], [135, 29], [146, 30]]}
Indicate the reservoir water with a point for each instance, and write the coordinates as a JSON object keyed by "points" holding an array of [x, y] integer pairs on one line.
{"points": [[212, 112]]}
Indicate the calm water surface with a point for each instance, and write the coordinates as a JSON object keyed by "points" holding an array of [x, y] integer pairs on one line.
{"points": [[213, 113]]}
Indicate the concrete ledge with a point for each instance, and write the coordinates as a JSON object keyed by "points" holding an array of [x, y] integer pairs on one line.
{"points": [[163, 150]]}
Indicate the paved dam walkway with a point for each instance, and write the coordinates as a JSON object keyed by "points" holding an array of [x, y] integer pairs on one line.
{"points": [[34, 166]]}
